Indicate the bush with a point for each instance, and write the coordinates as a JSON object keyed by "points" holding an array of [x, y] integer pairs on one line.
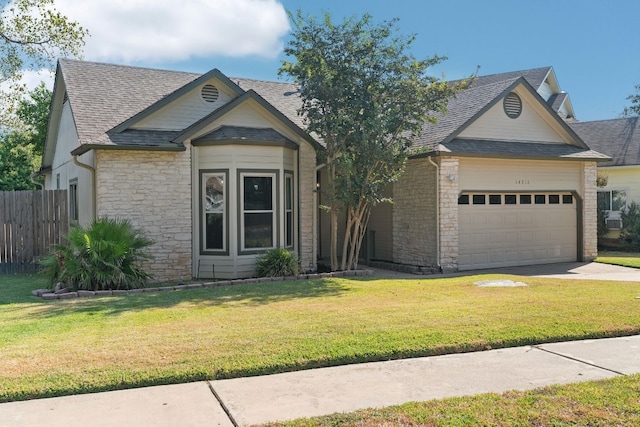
{"points": [[104, 256], [630, 232], [276, 263]]}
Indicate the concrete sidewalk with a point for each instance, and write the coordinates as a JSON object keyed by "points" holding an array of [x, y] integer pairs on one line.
{"points": [[245, 401]]}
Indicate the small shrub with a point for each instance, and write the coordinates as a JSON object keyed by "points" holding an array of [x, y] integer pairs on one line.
{"points": [[103, 256], [630, 232], [276, 263]]}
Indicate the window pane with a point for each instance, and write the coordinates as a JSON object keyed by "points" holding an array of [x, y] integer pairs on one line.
{"points": [[478, 199], [604, 200], [618, 200], [554, 199], [214, 194], [567, 199], [509, 199], [288, 182], [540, 199], [495, 199], [463, 199], [525, 199], [214, 231], [257, 193], [258, 230], [289, 229]]}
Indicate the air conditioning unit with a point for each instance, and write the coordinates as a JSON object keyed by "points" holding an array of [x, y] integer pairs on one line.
{"points": [[614, 224]]}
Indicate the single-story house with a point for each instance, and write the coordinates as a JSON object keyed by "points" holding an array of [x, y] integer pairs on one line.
{"points": [[620, 140], [216, 170]]}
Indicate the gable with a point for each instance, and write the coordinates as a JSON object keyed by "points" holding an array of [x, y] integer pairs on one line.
{"points": [[188, 108], [534, 124]]}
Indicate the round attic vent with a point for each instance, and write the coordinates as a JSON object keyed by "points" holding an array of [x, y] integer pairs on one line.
{"points": [[512, 105], [209, 93]]}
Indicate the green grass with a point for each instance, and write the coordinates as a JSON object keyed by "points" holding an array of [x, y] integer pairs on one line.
{"points": [[50, 348], [612, 402], [627, 259]]}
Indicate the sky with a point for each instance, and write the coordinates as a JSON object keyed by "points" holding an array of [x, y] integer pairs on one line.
{"points": [[592, 45]]}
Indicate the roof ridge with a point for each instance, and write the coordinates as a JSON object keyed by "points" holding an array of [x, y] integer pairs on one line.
{"points": [[606, 120], [134, 67]]}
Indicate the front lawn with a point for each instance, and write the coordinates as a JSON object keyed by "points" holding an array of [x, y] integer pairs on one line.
{"points": [[627, 259], [612, 402], [50, 348]]}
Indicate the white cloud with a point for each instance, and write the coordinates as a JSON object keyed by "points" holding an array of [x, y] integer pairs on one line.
{"points": [[168, 30], [31, 79]]}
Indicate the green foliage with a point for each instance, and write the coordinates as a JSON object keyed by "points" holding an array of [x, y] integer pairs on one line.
{"points": [[368, 97], [33, 34], [634, 109], [103, 256], [277, 263], [33, 112], [630, 232], [18, 160]]}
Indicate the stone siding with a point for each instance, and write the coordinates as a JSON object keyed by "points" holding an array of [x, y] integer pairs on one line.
{"points": [[414, 215], [153, 191], [448, 213], [307, 180], [590, 213]]}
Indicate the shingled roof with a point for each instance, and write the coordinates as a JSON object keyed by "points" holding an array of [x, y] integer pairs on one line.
{"points": [[617, 138]]}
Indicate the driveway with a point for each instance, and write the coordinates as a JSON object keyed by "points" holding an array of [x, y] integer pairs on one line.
{"points": [[565, 270]]}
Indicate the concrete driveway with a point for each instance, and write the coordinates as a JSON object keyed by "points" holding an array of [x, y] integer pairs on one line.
{"points": [[565, 270]]}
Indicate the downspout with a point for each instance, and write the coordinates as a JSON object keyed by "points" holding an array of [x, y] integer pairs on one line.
{"points": [[314, 253], [437, 211], [93, 181]]}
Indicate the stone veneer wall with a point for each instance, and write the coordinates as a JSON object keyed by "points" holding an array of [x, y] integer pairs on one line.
{"points": [[153, 190], [414, 215], [448, 213], [307, 183], [590, 212]]}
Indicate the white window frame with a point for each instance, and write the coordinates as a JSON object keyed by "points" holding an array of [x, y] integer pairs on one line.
{"points": [[289, 195], [611, 213], [204, 176], [274, 210]]}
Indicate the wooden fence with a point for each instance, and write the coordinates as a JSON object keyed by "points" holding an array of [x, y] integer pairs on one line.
{"points": [[30, 222]]}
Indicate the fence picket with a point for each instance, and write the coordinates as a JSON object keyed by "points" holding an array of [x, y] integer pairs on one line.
{"points": [[30, 221]]}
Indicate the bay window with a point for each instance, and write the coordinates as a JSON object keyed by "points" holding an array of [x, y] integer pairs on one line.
{"points": [[214, 211], [258, 210]]}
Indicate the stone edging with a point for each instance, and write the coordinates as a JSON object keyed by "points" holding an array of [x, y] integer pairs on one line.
{"points": [[47, 294]]}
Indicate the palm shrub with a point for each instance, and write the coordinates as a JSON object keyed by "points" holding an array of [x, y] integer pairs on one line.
{"points": [[276, 263], [103, 256], [630, 232]]}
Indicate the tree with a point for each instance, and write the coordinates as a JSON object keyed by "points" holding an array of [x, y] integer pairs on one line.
{"points": [[21, 148], [32, 35], [634, 109], [367, 97]]}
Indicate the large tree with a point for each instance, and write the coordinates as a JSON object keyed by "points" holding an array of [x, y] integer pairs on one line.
{"points": [[21, 147], [634, 109], [367, 97], [33, 34]]}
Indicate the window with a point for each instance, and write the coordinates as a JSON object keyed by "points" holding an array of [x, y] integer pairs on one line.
{"points": [[288, 210], [554, 199], [567, 199], [258, 216], [525, 199], [463, 199], [478, 199], [540, 199], [509, 199], [214, 211], [495, 199], [73, 201], [612, 200]]}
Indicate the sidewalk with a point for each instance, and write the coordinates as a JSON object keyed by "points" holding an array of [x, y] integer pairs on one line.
{"points": [[245, 401]]}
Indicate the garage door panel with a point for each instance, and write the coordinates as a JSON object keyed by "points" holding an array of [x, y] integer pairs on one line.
{"points": [[509, 235]]}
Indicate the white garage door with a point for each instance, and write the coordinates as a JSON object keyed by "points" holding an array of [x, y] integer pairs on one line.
{"points": [[507, 229]]}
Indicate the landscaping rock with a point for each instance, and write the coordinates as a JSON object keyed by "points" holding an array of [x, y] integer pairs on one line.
{"points": [[86, 293], [50, 296], [40, 292], [194, 286], [119, 292], [150, 289], [61, 291], [103, 293], [136, 291], [68, 295]]}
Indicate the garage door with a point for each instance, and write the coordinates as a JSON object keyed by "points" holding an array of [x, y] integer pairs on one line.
{"points": [[507, 229]]}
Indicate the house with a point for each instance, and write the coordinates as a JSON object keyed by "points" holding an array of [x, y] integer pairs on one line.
{"points": [[620, 140], [216, 169]]}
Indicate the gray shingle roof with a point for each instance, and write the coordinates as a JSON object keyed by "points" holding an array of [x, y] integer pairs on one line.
{"points": [[617, 138], [226, 133], [534, 76], [510, 149]]}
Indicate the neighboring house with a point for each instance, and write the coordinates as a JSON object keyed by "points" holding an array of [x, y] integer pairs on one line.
{"points": [[215, 170], [620, 140]]}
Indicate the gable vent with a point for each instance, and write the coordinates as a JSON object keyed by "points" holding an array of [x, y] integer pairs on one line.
{"points": [[512, 105], [209, 93]]}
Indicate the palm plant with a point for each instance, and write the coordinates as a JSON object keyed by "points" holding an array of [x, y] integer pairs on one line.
{"points": [[105, 255]]}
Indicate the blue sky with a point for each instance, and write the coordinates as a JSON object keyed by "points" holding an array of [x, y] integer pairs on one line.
{"points": [[593, 45]]}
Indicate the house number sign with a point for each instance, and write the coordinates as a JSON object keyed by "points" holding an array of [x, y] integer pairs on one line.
{"points": [[522, 181]]}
